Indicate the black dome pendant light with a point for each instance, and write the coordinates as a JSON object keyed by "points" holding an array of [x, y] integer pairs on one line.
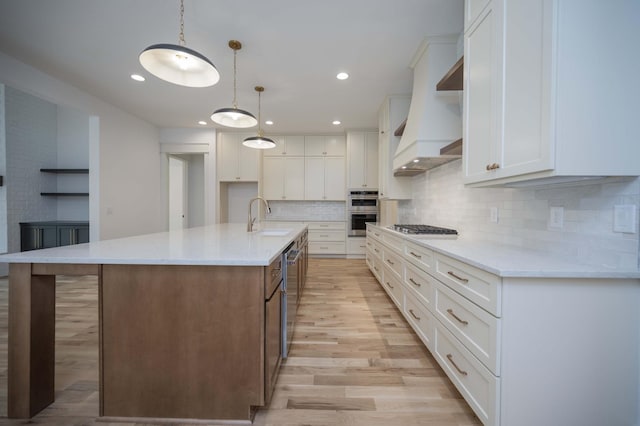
{"points": [[234, 117], [178, 64], [260, 141]]}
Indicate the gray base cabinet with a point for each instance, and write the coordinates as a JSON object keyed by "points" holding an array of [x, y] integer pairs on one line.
{"points": [[40, 235]]}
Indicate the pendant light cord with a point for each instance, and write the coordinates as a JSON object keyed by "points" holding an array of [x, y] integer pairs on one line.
{"points": [[235, 54], [259, 119], [181, 36]]}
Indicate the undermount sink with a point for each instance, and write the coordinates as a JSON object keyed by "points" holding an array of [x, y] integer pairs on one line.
{"points": [[278, 232]]}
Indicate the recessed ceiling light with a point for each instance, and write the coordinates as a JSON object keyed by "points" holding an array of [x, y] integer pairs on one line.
{"points": [[137, 77], [202, 123], [336, 122], [269, 123], [342, 76]]}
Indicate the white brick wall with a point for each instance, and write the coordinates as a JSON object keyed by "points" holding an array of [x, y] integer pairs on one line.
{"points": [[31, 139], [440, 198]]}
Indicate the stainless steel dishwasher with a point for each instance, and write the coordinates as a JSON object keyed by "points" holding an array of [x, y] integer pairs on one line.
{"points": [[289, 294]]}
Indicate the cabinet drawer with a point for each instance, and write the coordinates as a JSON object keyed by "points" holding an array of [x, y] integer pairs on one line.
{"points": [[474, 327], [328, 235], [477, 385], [393, 242], [420, 319], [477, 285], [374, 233], [393, 261], [374, 265], [317, 247], [420, 284], [420, 256], [393, 287], [356, 246], [326, 226], [374, 248]]}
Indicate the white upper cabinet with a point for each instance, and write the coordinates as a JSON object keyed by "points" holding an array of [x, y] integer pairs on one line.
{"points": [[283, 178], [362, 160], [544, 97], [286, 146], [324, 178], [391, 114], [334, 146], [236, 162]]}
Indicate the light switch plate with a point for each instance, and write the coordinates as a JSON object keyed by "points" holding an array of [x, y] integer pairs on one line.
{"points": [[493, 215], [556, 217], [624, 218]]}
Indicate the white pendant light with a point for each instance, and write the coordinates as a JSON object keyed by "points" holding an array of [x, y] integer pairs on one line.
{"points": [[260, 141], [178, 64], [234, 117]]}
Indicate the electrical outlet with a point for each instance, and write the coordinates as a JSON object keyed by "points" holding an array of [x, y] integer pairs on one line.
{"points": [[493, 215], [556, 217], [624, 218]]}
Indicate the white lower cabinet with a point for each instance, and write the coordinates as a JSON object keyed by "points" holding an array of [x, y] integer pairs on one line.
{"points": [[356, 246], [522, 350], [475, 382], [327, 238]]}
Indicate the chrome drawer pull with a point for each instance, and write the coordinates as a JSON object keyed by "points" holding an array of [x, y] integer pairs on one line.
{"points": [[376, 234], [450, 312], [414, 283], [389, 285], [414, 315], [377, 270], [464, 280], [376, 250], [450, 358], [415, 255], [390, 262]]}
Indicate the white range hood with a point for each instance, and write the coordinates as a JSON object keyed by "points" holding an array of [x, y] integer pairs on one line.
{"points": [[434, 119]]}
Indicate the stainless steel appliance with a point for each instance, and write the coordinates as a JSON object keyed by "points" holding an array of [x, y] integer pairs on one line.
{"points": [[425, 230], [290, 275], [362, 207]]}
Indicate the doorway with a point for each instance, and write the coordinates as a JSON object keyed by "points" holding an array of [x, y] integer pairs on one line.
{"points": [[178, 190]]}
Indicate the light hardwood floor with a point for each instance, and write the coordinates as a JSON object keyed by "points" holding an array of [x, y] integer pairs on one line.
{"points": [[354, 359]]}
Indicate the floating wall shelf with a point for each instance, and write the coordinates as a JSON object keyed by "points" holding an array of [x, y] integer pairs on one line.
{"points": [[64, 194], [69, 171], [453, 78]]}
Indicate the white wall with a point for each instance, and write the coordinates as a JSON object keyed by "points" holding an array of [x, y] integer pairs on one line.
{"points": [[124, 156], [73, 153], [440, 198]]}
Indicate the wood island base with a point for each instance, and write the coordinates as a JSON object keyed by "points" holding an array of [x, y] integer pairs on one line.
{"points": [[177, 342]]}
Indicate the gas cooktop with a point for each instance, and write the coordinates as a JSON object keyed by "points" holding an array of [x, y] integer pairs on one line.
{"points": [[424, 230]]}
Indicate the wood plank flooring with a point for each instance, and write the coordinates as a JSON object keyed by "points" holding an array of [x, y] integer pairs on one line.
{"points": [[354, 360]]}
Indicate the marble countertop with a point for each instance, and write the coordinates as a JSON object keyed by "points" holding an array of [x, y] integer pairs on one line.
{"points": [[511, 261], [223, 244]]}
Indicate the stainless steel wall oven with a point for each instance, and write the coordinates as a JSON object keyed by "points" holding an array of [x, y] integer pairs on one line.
{"points": [[362, 207]]}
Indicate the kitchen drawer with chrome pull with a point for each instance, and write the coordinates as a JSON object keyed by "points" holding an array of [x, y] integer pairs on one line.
{"points": [[393, 242], [328, 235], [475, 382], [481, 287], [476, 329], [420, 283], [420, 319], [420, 256], [318, 247], [393, 287], [327, 226], [393, 261]]}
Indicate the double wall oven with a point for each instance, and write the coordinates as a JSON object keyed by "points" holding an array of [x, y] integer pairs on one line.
{"points": [[362, 207]]}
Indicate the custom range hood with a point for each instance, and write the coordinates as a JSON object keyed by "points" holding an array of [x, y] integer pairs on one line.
{"points": [[434, 121]]}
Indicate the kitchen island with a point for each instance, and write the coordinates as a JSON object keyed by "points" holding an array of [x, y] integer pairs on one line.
{"points": [[184, 322]]}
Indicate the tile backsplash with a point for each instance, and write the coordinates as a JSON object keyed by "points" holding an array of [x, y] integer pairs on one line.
{"points": [[307, 210], [440, 198]]}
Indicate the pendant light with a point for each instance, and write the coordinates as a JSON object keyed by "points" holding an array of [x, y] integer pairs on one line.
{"points": [[234, 117], [178, 64], [260, 141]]}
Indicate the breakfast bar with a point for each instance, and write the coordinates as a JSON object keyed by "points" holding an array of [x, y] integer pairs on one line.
{"points": [[183, 322]]}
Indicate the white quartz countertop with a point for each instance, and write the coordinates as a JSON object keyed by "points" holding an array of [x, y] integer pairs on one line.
{"points": [[511, 261], [223, 244]]}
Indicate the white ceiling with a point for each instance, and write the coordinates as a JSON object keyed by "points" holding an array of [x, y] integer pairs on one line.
{"points": [[294, 48]]}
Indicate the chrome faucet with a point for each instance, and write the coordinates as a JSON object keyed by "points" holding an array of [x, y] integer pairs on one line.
{"points": [[250, 219]]}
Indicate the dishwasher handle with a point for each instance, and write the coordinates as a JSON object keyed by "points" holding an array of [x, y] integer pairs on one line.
{"points": [[292, 256]]}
